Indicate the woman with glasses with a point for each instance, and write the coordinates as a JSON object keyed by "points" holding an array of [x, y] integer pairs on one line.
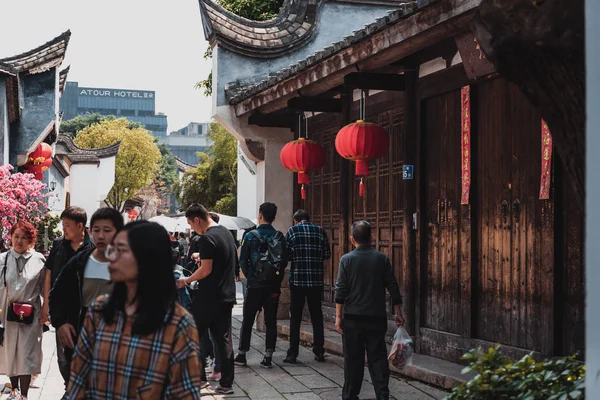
{"points": [[138, 342], [21, 282]]}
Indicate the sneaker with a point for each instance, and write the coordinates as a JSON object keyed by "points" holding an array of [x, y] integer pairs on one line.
{"points": [[223, 390], [15, 394], [290, 360], [204, 385], [240, 360], [266, 362], [214, 377]]}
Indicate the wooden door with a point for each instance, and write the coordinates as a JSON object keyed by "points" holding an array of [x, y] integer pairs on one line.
{"points": [[323, 201], [382, 203], [515, 242], [445, 294]]}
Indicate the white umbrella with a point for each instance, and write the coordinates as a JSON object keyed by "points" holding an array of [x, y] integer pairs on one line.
{"points": [[168, 223], [182, 225], [235, 223]]}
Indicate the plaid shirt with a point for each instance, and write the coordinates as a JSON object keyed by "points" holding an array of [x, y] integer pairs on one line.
{"points": [[308, 247], [111, 363]]}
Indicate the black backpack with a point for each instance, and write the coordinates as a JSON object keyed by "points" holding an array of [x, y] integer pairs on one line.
{"points": [[272, 259]]}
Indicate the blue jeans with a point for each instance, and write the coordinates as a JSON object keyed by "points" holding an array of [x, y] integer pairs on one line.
{"points": [[244, 287]]}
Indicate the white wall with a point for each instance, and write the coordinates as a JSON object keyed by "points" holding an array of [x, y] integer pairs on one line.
{"points": [[247, 205], [90, 184], [592, 250]]}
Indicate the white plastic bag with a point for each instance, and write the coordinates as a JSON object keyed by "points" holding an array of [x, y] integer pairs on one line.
{"points": [[402, 349]]}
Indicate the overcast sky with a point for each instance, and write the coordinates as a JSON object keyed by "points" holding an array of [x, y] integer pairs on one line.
{"points": [[131, 44]]}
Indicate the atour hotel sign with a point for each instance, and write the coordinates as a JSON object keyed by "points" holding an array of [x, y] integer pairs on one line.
{"points": [[132, 94]]}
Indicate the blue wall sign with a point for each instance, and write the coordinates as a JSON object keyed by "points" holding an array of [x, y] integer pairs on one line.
{"points": [[408, 172]]}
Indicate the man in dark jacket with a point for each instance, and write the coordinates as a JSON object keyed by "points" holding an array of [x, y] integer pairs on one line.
{"points": [[363, 277], [81, 281], [261, 292], [74, 242]]}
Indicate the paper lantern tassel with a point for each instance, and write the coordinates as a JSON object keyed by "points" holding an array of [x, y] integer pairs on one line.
{"points": [[303, 192], [361, 188]]}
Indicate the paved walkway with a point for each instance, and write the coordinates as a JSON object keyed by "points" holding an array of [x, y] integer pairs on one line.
{"points": [[307, 380]]}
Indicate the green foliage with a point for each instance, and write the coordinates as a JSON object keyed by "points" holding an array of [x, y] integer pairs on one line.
{"points": [[51, 222], [206, 85], [73, 126], [213, 182], [136, 162], [502, 379], [167, 168], [255, 10]]}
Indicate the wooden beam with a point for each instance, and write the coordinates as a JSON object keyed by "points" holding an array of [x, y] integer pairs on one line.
{"points": [[272, 120], [375, 81], [411, 34], [317, 104]]}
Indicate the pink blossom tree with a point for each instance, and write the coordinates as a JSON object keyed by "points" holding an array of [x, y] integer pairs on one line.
{"points": [[22, 198]]}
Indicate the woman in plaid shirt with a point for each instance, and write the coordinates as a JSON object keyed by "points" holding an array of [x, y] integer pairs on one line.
{"points": [[138, 343]]}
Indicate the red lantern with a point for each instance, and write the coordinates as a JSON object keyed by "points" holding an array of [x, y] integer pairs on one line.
{"points": [[35, 169], [360, 142], [133, 214], [301, 156], [40, 154]]}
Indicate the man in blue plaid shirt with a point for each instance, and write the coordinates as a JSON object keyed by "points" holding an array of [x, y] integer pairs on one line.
{"points": [[308, 247]]}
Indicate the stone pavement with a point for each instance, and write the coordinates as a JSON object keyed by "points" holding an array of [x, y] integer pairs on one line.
{"points": [[306, 380]]}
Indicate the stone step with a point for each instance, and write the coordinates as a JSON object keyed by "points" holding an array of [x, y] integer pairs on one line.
{"points": [[430, 370]]}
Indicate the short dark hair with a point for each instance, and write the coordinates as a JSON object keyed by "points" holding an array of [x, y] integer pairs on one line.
{"points": [[151, 247], [301, 215], [108, 214], [197, 210], [214, 216], [76, 214], [182, 235], [268, 211], [361, 232]]}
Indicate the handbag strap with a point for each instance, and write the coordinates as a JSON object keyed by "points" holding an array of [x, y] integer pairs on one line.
{"points": [[4, 275]]}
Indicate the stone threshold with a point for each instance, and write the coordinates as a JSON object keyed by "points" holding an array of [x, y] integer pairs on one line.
{"points": [[433, 371]]}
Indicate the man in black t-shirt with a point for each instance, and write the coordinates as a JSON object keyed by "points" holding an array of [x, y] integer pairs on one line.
{"points": [[215, 297]]}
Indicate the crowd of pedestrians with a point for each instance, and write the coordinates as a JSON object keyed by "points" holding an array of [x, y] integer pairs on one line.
{"points": [[139, 311]]}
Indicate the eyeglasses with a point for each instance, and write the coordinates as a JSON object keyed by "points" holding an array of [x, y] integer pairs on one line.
{"points": [[112, 253]]}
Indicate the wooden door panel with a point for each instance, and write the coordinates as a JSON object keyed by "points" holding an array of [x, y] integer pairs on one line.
{"points": [[513, 303], [443, 310]]}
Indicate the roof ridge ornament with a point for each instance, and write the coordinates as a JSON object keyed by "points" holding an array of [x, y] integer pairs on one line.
{"points": [[292, 28]]}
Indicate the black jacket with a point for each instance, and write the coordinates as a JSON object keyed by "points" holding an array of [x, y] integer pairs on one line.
{"points": [[66, 296], [62, 252], [363, 277]]}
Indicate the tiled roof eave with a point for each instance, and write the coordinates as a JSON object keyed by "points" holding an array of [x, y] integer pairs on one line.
{"points": [[183, 166], [74, 150], [42, 58], [293, 27]]}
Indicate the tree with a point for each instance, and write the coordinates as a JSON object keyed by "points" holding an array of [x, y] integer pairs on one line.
{"points": [[165, 179], [255, 10], [214, 181], [73, 126], [49, 222], [22, 198], [137, 160]]}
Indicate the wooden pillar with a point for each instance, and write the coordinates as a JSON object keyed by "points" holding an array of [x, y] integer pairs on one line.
{"points": [[346, 195], [411, 148]]}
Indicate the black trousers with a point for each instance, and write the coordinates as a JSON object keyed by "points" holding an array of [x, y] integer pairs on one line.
{"points": [[360, 336], [313, 296], [64, 356], [217, 318], [268, 300]]}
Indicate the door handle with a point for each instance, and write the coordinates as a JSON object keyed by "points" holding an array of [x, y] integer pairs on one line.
{"points": [[446, 206], [516, 210], [504, 211], [439, 205]]}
